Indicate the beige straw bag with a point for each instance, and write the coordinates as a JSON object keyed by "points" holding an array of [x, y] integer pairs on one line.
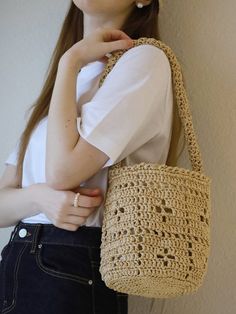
{"points": [[156, 225]]}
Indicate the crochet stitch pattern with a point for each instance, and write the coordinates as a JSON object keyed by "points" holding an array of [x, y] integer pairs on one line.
{"points": [[156, 226]]}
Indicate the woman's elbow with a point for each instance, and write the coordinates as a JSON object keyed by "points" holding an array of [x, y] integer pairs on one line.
{"points": [[55, 181], [59, 181]]}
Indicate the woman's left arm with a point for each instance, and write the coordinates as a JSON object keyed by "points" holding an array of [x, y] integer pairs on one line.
{"points": [[71, 160], [66, 150]]}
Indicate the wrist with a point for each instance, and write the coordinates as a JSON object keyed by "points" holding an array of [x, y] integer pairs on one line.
{"points": [[34, 199], [68, 62]]}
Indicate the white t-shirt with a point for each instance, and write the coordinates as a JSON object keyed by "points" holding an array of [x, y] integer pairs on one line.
{"points": [[130, 115]]}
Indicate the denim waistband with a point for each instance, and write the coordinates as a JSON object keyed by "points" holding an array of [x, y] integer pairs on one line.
{"points": [[87, 236]]}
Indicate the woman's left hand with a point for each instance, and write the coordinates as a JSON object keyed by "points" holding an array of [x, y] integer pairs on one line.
{"points": [[95, 46]]}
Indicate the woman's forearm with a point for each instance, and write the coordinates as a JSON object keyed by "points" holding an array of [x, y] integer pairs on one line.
{"points": [[62, 133], [15, 205]]}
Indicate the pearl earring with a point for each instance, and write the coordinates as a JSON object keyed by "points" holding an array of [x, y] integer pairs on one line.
{"points": [[139, 5]]}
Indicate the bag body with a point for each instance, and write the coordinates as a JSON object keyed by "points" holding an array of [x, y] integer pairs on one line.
{"points": [[156, 225]]}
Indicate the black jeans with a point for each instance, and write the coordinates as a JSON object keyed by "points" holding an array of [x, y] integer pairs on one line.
{"points": [[49, 270]]}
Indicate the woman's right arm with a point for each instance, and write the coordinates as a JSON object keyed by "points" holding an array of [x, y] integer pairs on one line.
{"points": [[17, 203]]}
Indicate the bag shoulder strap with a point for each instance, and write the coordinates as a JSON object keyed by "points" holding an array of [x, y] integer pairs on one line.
{"points": [[180, 92]]}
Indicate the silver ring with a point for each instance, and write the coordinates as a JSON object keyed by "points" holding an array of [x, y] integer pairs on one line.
{"points": [[76, 200]]}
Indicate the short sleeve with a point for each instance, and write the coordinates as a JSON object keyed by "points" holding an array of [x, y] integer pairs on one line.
{"points": [[128, 109], [12, 157]]}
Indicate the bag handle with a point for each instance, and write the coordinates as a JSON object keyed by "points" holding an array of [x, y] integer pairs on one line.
{"points": [[181, 97]]}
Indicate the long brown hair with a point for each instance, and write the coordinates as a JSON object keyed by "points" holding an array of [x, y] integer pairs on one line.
{"points": [[140, 23]]}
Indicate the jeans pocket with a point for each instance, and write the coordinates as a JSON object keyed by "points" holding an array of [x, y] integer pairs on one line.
{"points": [[11, 258], [65, 261]]}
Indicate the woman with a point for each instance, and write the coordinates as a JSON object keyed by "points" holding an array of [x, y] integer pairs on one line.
{"points": [[54, 184]]}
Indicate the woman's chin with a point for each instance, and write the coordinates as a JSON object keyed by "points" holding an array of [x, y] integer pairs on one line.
{"points": [[92, 7], [88, 6]]}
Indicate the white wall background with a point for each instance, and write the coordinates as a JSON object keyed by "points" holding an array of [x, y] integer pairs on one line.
{"points": [[202, 34]]}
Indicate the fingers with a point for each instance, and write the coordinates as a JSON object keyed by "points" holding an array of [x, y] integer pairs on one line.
{"points": [[87, 191], [67, 226], [103, 59], [76, 220], [72, 222], [81, 211], [88, 201], [114, 34], [115, 39], [75, 217], [117, 45]]}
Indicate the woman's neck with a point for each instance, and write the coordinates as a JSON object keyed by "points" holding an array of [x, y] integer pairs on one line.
{"points": [[91, 23]]}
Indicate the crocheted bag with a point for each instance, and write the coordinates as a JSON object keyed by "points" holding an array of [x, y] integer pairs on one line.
{"points": [[156, 226]]}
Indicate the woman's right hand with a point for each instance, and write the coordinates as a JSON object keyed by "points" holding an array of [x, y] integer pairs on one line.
{"points": [[58, 206], [95, 47]]}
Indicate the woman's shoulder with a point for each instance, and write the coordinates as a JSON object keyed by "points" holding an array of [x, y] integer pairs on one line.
{"points": [[148, 49], [147, 55]]}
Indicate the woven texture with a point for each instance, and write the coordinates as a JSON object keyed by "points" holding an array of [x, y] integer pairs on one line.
{"points": [[156, 225]]}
